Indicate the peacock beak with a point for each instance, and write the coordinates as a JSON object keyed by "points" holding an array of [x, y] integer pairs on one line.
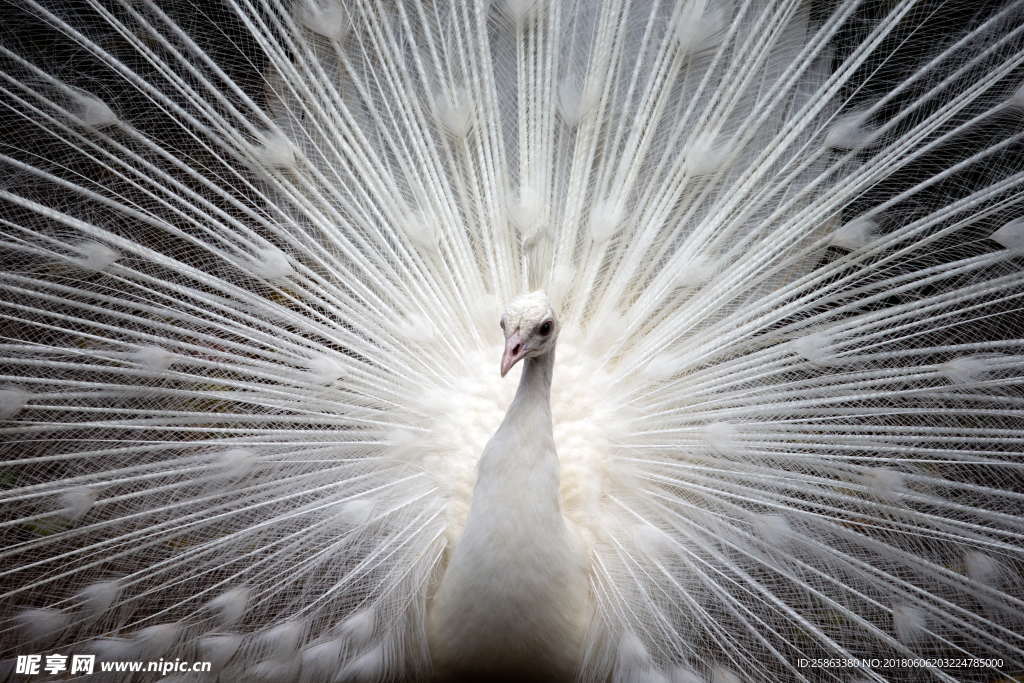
{"points": [[515, 349]]}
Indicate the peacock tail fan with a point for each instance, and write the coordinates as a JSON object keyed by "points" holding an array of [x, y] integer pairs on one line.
{"points": [[253, 258]]}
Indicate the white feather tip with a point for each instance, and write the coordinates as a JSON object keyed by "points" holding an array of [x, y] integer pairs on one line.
{"points": [[270, 263], [282, 640], [235, 463], [98, 597], [229, 606], [41, 622], [850, 131], [274, 151], [909, 623], [12, 400], [358, 629], [153, 358], [453, 111], [153, 642], [633, 653], [605, 220], [855, 234], [327, 18], [219, 648], [91, 112], [1011, 235], [94, 256], [74, 503], [699, 27]]}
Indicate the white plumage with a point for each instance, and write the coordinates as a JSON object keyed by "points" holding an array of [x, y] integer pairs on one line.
{"points": [[254, 258], [513, 603]]}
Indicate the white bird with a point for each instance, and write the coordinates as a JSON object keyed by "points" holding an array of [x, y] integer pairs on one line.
{"points": [[253, 257], [514, 600]]}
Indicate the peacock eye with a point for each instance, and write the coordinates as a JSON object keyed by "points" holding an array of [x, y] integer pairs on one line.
{"points": [[545, 328]]}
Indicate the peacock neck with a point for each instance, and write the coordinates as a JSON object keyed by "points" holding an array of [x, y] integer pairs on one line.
{"points": [[534, 390], [521, 460], [524, 442]]}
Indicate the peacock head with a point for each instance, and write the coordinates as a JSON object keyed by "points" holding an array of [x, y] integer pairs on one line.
{"points": [[530, 329]]}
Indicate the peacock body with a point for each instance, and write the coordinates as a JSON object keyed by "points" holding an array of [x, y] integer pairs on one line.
{"points": [[255, 255], [513, 603]]}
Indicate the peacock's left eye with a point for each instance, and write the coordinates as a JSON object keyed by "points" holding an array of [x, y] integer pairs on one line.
{"points": [[545, 328]]}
